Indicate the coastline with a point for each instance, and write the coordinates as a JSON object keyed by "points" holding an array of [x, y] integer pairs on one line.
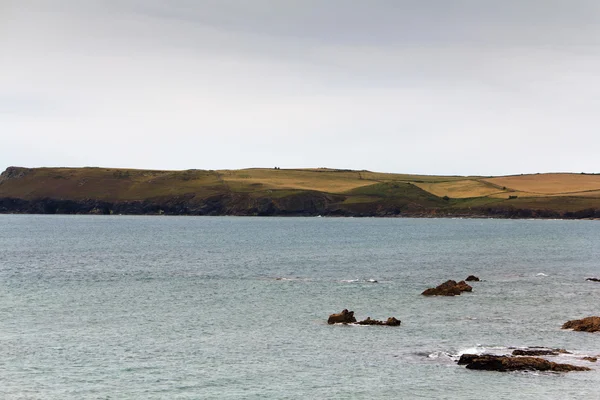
{"points": [[95, 207], [296, 192]]}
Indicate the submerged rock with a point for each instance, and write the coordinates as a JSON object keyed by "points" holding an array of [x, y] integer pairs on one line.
{"points": [[488, 362], [535, 352], [448, 288], [472, 278], [345, 317], [590, 359], [391, 321], [589, 324]]}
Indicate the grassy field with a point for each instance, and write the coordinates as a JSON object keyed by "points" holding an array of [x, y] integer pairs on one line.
{"points": [[549, 184], [350, 190], [461, 189]]}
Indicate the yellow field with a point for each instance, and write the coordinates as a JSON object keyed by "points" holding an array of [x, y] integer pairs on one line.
{"points": [[548, 184], [538, 185], [321, 180], [461, 189]]}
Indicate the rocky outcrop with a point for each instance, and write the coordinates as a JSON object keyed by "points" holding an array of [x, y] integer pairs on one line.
{"points": [[464, 286], [589, 324], [472, 278], [448, 288], [391, 321], [488, 362], [13, 173], [593, 279], [345, 317]]}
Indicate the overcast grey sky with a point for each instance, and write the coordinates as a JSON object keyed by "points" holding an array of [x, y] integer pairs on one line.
{"points": [[422, 86]]}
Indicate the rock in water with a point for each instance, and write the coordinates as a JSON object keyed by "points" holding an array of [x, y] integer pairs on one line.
{"points": [[488, 362], [590, 359], [589, 324], [464, 286], [472, 278], [345, 317], [448, 288], [535, 352], [391, 321], [593, 279]]}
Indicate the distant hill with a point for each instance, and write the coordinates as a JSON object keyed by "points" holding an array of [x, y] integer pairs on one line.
{"points": [[310, 192]]}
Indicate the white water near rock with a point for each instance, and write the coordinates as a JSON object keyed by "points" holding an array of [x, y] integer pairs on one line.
{"points": [[127, 307]]}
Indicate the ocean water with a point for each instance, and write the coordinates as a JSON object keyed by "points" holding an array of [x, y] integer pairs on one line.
{"points": [[120, 307]]}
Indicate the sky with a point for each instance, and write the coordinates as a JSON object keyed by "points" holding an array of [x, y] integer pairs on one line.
{"points": [[451, 87]]}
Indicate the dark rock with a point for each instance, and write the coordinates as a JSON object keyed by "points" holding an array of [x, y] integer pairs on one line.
{"points": [[535, 352], [467, 358], [391, 321], [589, 324], [472, 278], [590, 359], [593, 279], [345, 317], [488, 362], [464, 286], [448, 288]]}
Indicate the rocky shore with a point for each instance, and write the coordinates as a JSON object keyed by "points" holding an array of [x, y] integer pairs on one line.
{"points": [[307, 205]]}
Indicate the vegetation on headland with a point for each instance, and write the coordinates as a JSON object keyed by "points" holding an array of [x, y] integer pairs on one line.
{"points": [[310, 192]]}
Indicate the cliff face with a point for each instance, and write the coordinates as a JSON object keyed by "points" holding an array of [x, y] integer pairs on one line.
{"points": [[261, 192]]}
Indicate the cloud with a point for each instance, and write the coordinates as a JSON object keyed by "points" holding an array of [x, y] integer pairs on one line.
{"points": [[463, 87]]}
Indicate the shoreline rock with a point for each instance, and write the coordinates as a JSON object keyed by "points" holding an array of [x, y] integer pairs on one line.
{"points": [[345, 317], [534, 352], [488, 362], [589, 324], [391, 321], [448, 288]]}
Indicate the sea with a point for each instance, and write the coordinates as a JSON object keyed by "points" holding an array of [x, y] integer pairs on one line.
{"points": [[157, 307]]}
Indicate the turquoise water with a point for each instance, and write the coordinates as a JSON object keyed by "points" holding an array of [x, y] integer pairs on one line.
{"points": [[118, 307]]}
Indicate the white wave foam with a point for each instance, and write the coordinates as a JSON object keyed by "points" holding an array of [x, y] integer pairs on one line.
{"points": [[481, 349], [541, 274], [439, 354]]}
